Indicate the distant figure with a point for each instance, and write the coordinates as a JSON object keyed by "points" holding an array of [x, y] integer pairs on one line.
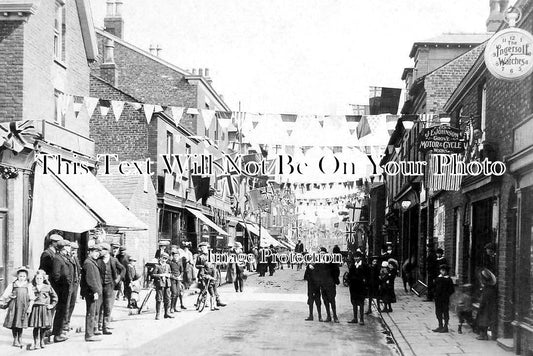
{"points": [[299, 249], [373, 283], [409, 274], [328, 276], [443, 290], [486, 315], [313, 292], [358, 278]]}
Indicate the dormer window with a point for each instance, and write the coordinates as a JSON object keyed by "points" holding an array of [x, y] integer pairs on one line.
{"points": [[59, 31]]}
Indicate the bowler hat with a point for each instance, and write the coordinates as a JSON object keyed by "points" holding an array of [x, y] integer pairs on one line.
{"points": [[323, 249], [115, 245], [358, 254], [122, 248], [56, 237]]}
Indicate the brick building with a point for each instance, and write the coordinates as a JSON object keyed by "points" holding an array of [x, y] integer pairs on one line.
{"points": [[45, 50], [497, 209], [127, 73]]}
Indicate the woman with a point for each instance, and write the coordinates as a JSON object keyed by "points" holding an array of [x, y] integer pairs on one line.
{"points": [[486, 316], [187, 259]]}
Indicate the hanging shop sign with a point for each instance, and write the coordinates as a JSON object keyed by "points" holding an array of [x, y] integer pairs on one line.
{"points": [[508, 54], [442, 139]]}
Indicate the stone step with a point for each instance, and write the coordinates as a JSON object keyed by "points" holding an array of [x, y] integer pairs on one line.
{"points": [[506, 344]]}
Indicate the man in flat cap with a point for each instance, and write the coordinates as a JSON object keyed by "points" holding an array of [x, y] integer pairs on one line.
{"points": [[123, 258], [111, 272], [162, 283], [91, 291], [61, 280], [201, 260], [47, 256], [76, 271]]}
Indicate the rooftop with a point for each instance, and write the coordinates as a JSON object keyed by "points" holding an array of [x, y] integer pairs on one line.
{"points": [[452, 39]]}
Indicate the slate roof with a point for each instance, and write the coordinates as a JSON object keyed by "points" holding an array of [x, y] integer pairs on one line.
{"points": [[452, 39]]}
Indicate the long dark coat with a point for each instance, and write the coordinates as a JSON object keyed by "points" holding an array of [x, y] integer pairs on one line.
{"points": [[488, 308], [62, 272], [47, 259], [358, 281], [91, 281], [386, 285]]}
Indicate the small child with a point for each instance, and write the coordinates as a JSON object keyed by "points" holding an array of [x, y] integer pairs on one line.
{"points": [[41, 313], [18, 299], [209, 276], [313, 292], [463, 307], [387, 275], [443, 290]]}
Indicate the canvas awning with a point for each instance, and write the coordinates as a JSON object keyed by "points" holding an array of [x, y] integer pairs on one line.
{"points": [[207, 221], [266, 238], [74, 203]]}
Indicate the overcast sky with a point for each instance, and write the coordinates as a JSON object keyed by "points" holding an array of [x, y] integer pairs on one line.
{"points": [[294, 56]]}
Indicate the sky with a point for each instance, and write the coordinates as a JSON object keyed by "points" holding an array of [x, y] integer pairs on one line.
{"points": [[294, 56]]}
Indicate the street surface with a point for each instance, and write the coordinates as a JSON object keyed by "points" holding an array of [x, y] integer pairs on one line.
{"points": [[266, 319]]}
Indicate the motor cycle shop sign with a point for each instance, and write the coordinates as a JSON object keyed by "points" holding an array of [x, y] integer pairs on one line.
{"points": [[442, 139]]}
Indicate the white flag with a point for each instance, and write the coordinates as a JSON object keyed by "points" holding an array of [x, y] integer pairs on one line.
{"points": [[90, 105], [207, 116], [118, 107], [148, 112], [104, 110], [158, 108], [177, 113]]}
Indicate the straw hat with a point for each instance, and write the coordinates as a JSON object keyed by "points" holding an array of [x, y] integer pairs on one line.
{"points": [[487, 277]]}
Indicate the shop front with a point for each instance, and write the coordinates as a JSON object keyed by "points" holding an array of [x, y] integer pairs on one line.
{"points": [[521, 167]]}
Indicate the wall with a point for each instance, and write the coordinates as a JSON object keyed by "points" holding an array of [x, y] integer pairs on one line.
{"points": [[11, 69]]}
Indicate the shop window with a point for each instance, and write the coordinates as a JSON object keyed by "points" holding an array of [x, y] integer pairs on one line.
{"points": [[59, 31]]}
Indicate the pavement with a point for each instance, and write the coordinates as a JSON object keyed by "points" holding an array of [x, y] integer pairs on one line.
{"points": [[266, 319], [413, 320]]}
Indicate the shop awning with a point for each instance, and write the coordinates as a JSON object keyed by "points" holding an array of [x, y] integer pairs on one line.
{"points": [[207, 221], [266, 238]]}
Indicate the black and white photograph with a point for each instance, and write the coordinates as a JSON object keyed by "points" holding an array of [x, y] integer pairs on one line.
{"points": [[266, 177]]}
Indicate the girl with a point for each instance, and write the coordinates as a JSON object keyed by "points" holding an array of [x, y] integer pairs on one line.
{"points": [[41, 314], [386, 278], [18, 299]]}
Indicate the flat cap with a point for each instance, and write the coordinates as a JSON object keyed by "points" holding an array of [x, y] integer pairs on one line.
{"points": [[164, 255], [74, 245], [56, 237], [203, 244], [95, 247], [164, 242], [105, 246], [63, 243]]}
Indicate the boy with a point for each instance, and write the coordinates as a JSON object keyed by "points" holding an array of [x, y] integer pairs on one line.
{"points": [[208, 276], [176, 271], [313, 292], [161, 276], [443, 290], [357, 275]]}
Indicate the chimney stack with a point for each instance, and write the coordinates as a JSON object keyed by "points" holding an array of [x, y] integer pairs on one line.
{"points": [[194, 71], [157, 50], [108, 69], [201, 72], [496, 16], [113, 21], [206, 72]]}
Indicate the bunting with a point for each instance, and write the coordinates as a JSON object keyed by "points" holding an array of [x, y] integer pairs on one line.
{"points": [[148, 112], [118, 107], [177, 114]]}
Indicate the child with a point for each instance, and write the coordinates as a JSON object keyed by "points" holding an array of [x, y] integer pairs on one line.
{"points": [[208, 276], [41, 313], [386, 281], [18, 298], [488, 308], [373, 283], [443, 290], [463, 308], [313, 292], [357, 276]]}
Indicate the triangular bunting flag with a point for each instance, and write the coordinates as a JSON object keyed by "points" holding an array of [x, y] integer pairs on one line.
{"points": [[77, 108], [158, 108], [289, 132], [351, 132], [136, 106], [177, 113], [207, 117], [105, 105], [148, 112], [118, 107], [90, 105]]}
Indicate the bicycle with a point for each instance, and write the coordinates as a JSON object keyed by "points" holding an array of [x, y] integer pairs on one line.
{"points": [[202, 296]]}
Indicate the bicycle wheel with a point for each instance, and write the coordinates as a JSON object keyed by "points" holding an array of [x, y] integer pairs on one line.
{"points": [[202, 299], [145, 300]]}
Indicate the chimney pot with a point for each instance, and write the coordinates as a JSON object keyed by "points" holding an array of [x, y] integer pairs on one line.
{"points": [[109, 11], [157, 50], [201, 72], [118, 8], [207, 72], [194, 71], [152, 49], [109, 54]]}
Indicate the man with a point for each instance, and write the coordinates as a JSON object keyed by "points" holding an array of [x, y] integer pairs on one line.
{"points": [[176, 275], [201, 260], [432, 271], [162, 283], [61, 280], [313, 292], [76, 271], [47, 256], [328, 276], [358, 282], [373, 283], [163, 247], [123, 258], [91, 291], [489, 258], [270, 261], [111, 272], [299, 249]]}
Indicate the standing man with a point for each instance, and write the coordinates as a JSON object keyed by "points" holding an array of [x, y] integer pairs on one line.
{"points": [[358, 282], [163, 247], [299, 249], [270, 260], [124, 260], [328, 276], [47, 256], [432, 271], [91, 291], [162, 283], [76, 271], [201, 260], [111, 272], [61, 280]]}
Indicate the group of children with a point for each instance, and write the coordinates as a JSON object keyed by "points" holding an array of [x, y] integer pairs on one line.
{"points": [[29, 304]]}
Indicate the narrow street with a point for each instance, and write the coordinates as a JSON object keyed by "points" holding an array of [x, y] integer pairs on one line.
{"points": [[268, 319]]}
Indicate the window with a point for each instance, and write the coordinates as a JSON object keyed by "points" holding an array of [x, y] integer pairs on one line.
{"points": [[483, 110], [170, 143], [60, 108], [59, 31]]}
